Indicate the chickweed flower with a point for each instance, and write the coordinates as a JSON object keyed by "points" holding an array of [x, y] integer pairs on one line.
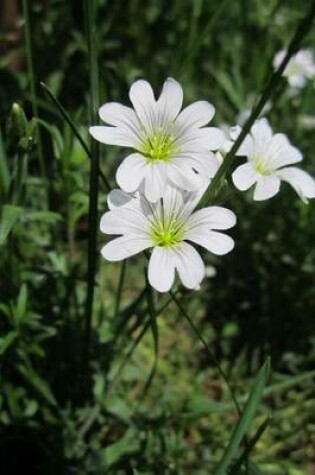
{"points": [[299, 69], [168, 226], [268, 155], [172, 147]]}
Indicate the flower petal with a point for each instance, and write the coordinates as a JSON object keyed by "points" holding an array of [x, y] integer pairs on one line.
{"points": [[282, 153], [118, 115], [195, 115], [154, 181], [301, 181], [262, 135], [245, 176], [131, 172], [215, 242], [267, 187], [213, 217], [117, 198], [114, 136], [180, 172], [170, 102], [124, 220], [189, 265], [207, 138], [142, 98], [161, 270], [125, 246]]}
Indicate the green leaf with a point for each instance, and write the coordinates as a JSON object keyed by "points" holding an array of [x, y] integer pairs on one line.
{"points": [[6, 341], [245, 421], [48, 217], [9, 216], [249, 447], [37, 383], [20, 309], [4, 171], [126, 445], [230, 89]]}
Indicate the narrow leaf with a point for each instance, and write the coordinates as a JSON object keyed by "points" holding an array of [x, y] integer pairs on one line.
{"points": [[9, 216], [245, 421]]}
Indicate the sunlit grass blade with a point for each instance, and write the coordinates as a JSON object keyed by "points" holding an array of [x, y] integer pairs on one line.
{"points": [[246, 419], [250, 446]]}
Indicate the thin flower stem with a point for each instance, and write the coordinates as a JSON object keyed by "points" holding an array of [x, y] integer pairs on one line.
{"points": [[211, 355], [274, 80], [31, 74], [120, 286], [64, 114], [91, 33]]}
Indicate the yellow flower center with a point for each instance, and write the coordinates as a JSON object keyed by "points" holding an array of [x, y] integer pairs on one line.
{"points": [[167, 233], [262, 166], [159, 146]]}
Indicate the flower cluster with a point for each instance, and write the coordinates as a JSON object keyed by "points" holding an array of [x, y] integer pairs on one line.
{"points": [[161, 183]]}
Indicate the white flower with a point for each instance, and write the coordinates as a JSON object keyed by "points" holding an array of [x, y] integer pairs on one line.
{"points": [[172, 146], [300, 67], [268, 155], [166, 226]]}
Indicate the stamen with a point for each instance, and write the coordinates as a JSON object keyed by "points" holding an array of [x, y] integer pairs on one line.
{"points": [[159, 146]]}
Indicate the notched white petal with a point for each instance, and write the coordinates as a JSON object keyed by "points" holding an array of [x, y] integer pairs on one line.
{"points": [[213, 217], [161, 270], [123, 247], [195, 115], [117, 114], [170, 101], [301, 182], [114, 136], [214, 241], [189, 265], [117, 198], [131, 172], [266, 188], [245, 176]]}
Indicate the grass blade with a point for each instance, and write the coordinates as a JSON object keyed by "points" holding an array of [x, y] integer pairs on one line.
{"points": [[245, 421], [250, 445], [91, 33]]}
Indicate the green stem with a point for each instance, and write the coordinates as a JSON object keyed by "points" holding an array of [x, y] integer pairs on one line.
{"points": [[274, 80], [92, 41], [31, 73], [66, 117]]}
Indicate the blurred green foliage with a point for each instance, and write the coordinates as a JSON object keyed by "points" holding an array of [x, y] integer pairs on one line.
{"points": [[259, 300]]}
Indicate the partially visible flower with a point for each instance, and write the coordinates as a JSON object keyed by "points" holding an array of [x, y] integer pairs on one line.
{"points": [[172, 147], [211, 271], [299, 69], [166, 226], [231, 135], [268, 155]]}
